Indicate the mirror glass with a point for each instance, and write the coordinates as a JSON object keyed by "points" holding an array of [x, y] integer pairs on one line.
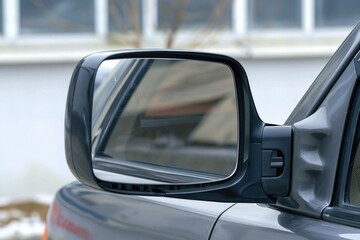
{"points": [[164, 121]]}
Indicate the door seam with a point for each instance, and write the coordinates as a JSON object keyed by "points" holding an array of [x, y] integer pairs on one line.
{"points": [[217, 219]]}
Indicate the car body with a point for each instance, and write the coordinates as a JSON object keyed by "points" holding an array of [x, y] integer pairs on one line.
{"points": [[318, 199]]}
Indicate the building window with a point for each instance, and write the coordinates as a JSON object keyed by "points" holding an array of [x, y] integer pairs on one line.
{"points": [[199, 14], [274, 14], [53, 16], [337, 13], [124, 16], [145, 20]]}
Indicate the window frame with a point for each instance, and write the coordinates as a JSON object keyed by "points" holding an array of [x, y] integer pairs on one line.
{"points": [[340, 211]]}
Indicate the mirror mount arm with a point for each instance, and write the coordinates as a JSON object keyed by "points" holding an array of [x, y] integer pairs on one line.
{"points": [[276, 160]]}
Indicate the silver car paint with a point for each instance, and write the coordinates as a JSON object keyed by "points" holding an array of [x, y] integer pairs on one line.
{"points": [[85, 213], [252, 221], [80, 212]]}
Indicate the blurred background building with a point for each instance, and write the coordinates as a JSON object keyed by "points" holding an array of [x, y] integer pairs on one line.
{"points": [[282, 44]]}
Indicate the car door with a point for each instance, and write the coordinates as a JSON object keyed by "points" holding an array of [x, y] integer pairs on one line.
{"points": [[80, 212]]}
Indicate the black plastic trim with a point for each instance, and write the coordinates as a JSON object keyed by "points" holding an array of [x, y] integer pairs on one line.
{"points": [[346, 216], [276, 182], [347, 151]]}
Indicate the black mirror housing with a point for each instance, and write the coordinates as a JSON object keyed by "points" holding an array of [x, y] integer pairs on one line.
{"points": [[245, 185]]}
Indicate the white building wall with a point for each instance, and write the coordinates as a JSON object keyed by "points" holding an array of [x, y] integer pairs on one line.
{"points": [[32, 105]]}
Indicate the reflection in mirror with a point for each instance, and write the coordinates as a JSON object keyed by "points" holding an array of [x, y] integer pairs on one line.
{"points": [[163, 121]]}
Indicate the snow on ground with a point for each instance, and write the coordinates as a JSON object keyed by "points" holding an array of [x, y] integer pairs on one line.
{"points": [[25, 228], [23, 218]]}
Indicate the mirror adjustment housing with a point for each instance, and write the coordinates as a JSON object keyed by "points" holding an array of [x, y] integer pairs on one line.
{"points": [[276, 160]]}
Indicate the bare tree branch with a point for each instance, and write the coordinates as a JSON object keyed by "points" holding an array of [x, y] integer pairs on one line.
{"points": [[179, 16], [116, 16], [215, 19], [136, 22]]}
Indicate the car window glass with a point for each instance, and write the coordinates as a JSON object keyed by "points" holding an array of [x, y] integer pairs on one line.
{"points": [[354, 179], [354, 184]]}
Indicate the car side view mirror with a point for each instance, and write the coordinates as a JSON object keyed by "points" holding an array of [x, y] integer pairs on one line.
{"points": [[172, 123]]}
